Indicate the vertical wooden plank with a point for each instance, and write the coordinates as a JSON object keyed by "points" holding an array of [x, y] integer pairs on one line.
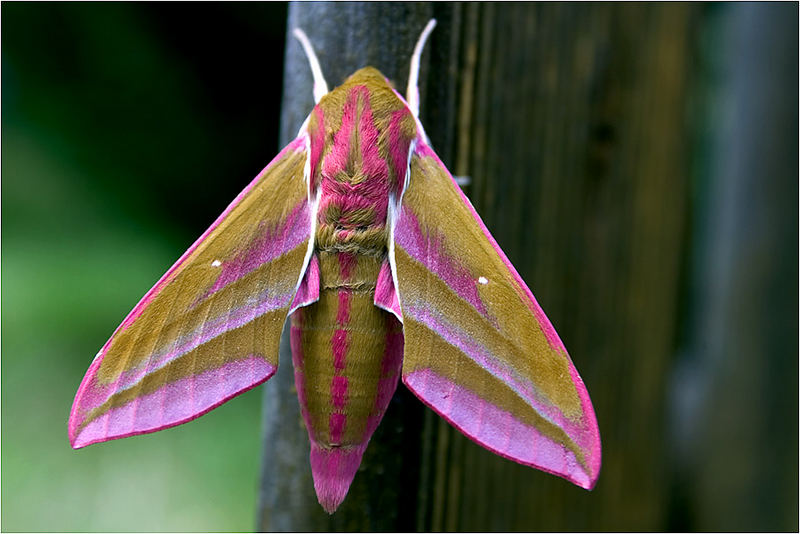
{"points": [[578, 158]]}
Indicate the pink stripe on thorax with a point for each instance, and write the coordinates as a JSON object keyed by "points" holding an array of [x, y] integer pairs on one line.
{"points": [[361, 126], [398, 149], [354, 153], [339, 156], [372, 164], [317, 144]]}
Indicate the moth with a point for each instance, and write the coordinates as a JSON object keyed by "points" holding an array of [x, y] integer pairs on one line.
{"points": [[359, 234]]}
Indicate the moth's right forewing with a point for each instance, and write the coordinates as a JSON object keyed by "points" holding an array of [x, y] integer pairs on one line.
{"points": [[210, 328]]}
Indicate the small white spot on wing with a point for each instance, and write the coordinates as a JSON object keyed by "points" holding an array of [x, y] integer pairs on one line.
{"points": [[482, 280], [216, 263]]}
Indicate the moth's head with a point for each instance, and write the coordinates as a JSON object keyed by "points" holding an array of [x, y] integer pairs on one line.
{"points": [[369, 76], [366, 86], [380, 89]]}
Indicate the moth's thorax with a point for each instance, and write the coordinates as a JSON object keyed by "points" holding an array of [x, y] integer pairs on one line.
{"points": [[360, 135]]}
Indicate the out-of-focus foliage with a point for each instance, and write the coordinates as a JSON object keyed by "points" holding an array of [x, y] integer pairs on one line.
{"points": [[126, 129]]}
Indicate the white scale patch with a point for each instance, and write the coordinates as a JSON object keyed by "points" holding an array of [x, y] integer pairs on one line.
{"points": [[216, 263], [482, 280]]}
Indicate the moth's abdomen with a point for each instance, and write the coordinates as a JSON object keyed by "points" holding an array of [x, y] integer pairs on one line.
{"points": [[347, 356], [346, 353]]}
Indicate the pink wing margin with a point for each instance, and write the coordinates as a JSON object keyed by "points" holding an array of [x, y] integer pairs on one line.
{"points": [[209, 329], [479, 350]]}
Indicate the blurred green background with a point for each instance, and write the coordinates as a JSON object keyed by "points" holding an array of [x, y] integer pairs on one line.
{"points": [[127, 128]]}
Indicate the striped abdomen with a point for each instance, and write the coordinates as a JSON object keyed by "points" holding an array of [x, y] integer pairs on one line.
{"points": [[347, 353]]}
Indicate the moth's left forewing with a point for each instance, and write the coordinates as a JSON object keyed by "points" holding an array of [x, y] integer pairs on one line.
{"points": [[478, 348]]}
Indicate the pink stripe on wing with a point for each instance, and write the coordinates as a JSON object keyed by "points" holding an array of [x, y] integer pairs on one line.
{"points": [[500, 432], [255, 307], [399, 146], [317, 144], [168, 406], [428, 246], [525, 293], [272, 243], [518, 383], [297, 145]]}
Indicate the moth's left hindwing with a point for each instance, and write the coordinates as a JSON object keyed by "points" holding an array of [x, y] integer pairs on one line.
{"points": [[210, 328], [478, 348]]}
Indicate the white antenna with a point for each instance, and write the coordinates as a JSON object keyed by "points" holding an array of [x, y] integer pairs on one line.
{"points": [[412, 94], [320, 87]]}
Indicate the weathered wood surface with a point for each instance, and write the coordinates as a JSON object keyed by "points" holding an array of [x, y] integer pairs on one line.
{"points": [[573, 122], [575, 138]]}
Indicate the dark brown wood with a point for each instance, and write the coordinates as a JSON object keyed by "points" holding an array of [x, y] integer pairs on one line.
{"points": [[570, 121]]}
